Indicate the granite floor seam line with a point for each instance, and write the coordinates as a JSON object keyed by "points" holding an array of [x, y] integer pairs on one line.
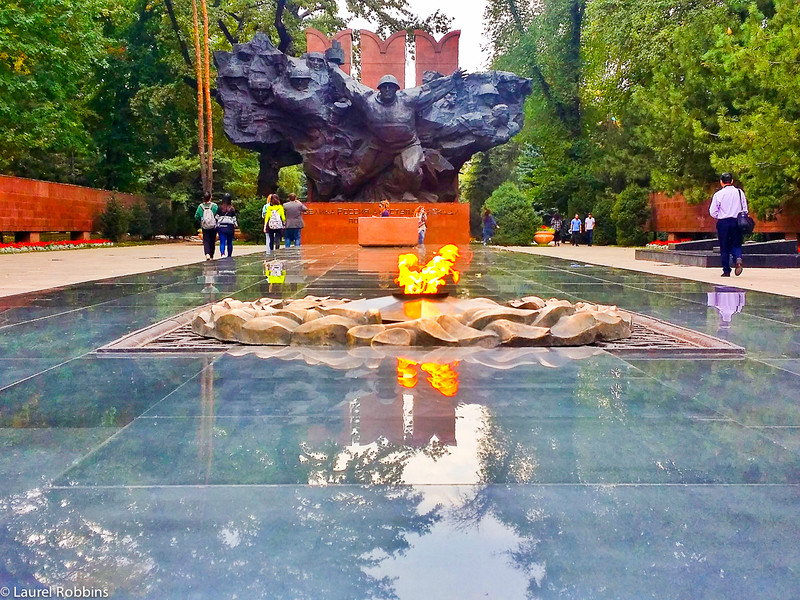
{"points": [[723, 416], [66, 312], [29, 377], [105, 442], [109, 280], [689, 419], [405, 485], [524, 280], [764, 362], [157, 288], [188, 380], [686, 397], [91, 452], [665, 294]]}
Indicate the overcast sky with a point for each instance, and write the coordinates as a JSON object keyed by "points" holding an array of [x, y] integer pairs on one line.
{"points": [[467, 16]]}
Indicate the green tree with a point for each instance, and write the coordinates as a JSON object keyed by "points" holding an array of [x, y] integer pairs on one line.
{"points": [[139, 221], [759, 135], [483, 174], [545, 45], [114, 220], [631, 211], [248, 213], [516, 219], [49, 53]]}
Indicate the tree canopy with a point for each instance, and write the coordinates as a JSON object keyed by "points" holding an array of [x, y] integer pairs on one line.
{"points": [[103, 92], [661, 95]]}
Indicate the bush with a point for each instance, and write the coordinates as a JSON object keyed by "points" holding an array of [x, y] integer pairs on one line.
{"points": [[139, 221], [291, 180], [248, 213], [516, 219], [114, 220], [180, 223], [605, 230], [630, 213], [160, 212]]}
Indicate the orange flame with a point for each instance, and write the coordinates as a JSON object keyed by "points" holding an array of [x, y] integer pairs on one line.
{"points": [[443, 378], [427, 279], [406, 372]]}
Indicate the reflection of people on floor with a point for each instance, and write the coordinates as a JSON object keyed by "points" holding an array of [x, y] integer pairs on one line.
{"points": [[275, 272], [208, 279], [728, 301]]}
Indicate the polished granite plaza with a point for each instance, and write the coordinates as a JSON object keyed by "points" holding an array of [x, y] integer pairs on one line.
{"points": [[413, 474]]}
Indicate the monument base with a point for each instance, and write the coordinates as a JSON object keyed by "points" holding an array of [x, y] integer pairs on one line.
{"points": [[337, 222], [387, 231]]}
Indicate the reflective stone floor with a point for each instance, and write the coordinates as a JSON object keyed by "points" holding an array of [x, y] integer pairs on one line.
{"points": [[447, 474]]}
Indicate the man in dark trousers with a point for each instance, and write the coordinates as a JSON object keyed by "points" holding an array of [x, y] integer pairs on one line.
{"points": [[575, 227], [726, 205]]}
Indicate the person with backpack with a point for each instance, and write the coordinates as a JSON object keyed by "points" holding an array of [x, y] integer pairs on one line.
{"points": [[207, 215], [226, 224], [274, 222]]}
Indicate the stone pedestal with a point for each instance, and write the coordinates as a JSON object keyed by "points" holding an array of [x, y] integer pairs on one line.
{"points": [[387, 231], [337, 222]]}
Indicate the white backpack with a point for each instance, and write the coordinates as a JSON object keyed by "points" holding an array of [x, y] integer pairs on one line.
{"points": [[275, 221], [207, 221]]}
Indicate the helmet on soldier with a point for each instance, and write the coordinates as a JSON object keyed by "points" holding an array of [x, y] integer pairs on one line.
{"points": [[388, 79]]}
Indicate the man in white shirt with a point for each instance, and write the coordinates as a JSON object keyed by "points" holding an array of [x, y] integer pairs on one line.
{"points": [[589, 228], [725, 207]]}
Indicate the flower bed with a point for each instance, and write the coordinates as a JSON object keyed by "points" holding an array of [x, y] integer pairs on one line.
{"points": [[658, 245], [42, 246]]}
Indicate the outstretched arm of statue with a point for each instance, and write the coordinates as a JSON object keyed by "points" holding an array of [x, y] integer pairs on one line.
{"points": [[435, 90], [348, 87]]}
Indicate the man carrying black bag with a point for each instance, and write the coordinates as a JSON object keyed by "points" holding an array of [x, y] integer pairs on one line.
{"points": [[726, 205]]}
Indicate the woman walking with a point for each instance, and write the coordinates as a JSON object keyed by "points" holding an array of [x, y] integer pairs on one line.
{"points": [[206, 214], [226, 223], [274, 222], [489, 226]]}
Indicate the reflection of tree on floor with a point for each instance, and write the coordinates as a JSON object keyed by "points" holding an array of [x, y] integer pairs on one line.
{"points": [[205, 430]]}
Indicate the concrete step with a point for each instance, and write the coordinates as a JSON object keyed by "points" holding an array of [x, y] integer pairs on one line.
{"points": [[772, 247], [711, 259]]}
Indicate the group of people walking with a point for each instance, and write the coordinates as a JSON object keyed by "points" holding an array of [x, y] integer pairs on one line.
{"points": [[574, 229], [217, 219], [281, 220]]}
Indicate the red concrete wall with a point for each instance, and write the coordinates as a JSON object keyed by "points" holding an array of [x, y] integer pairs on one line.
{"points": [[316, 41], [37, 206], [674, 215], [387, 231], [379, 58], [337, 223], [439, 56]]}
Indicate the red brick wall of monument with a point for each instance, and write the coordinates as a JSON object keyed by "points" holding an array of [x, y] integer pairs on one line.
{"points": [[674, 215], [337, 222], [382, 57], [37, 206], [441, 56]]}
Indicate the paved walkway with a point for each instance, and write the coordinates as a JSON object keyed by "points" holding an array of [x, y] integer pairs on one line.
{"points": [[20, 273], [32, 271], [785, 282]]}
